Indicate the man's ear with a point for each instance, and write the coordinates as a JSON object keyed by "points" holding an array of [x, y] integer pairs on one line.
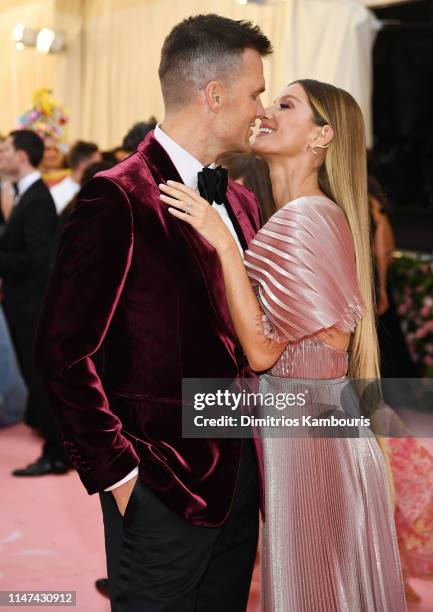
{"points": [[215, 95]]}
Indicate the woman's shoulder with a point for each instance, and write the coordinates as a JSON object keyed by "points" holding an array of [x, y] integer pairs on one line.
{"points": [[316, 209], [317, 204]]}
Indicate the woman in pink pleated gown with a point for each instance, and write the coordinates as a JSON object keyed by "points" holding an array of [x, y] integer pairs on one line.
{"points": [[302, 305]]}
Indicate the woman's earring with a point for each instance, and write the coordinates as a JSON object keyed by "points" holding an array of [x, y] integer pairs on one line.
{"points": [[317, 146]]}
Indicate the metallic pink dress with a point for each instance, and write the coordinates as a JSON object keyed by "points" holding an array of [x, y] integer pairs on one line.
{"points": [[329, 541]]}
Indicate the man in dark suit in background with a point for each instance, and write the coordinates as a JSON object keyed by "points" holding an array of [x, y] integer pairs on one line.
{"points": [[25, 261]]}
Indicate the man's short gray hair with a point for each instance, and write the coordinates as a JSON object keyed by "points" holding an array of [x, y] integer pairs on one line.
{"points": [[202, 49]]}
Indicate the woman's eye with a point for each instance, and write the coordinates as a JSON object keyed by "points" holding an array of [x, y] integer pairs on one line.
{"points": [[285, 106]]}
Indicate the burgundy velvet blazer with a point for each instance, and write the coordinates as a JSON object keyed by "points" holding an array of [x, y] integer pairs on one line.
{"points": [[147, 288]]}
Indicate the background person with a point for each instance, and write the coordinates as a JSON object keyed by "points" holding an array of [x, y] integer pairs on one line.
{"points": [[137, 134], [25, 262], [81, 155]]}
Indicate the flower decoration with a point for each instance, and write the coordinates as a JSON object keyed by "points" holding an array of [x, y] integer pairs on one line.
{"points": [[413, 289], [46, 118]]}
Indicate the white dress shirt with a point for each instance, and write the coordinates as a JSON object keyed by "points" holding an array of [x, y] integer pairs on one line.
{"points": [[26, 182], [63, 193], [188, 167]]}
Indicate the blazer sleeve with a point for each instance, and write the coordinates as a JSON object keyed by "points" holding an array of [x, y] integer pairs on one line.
{"points": [[40, 222], [89, 274], [302, 267]]}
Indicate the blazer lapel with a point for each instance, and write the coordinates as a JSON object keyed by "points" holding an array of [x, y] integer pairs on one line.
{"points": [[204, 255], [243, 226]]}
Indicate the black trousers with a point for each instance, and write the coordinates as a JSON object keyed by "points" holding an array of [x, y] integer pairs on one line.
{"points": [[158, 562], [38, 411]]}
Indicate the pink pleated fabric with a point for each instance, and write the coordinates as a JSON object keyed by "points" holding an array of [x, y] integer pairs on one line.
{"points": [[302, 267], [329, 539]]}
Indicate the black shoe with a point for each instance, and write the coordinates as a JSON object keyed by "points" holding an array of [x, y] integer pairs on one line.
{"points": [[43, 466], [102, 586]]}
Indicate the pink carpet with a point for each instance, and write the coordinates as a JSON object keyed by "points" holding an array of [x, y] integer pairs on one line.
{"points": [[51, 535]]}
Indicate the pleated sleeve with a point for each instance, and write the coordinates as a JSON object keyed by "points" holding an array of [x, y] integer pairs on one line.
{"points": [[302, 267]]}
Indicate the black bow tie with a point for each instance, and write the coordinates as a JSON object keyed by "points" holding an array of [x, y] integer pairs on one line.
{"points": [[212, 184]]}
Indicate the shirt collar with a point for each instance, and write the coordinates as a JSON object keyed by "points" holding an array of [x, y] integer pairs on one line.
{"points": [[69, 181], [187, 165], [27, 181]]}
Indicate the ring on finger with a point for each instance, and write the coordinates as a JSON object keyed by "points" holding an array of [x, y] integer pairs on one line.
{"points": [[188, 208]]}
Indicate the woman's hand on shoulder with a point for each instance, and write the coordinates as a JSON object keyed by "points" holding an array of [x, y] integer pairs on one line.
{"points": [[187, 205]]}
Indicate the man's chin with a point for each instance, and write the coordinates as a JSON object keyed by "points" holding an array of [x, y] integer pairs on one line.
{"points": [[245, 147], [257, 147], [238, 146]]}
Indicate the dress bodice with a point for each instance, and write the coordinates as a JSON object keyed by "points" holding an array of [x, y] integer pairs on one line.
{"points": [[310, 358]]}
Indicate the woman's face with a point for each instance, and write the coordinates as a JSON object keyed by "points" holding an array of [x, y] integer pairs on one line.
{"points": [[287, 128]]}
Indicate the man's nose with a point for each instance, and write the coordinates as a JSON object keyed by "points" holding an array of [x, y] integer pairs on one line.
{"points": [[260, 109], [267, 113]]}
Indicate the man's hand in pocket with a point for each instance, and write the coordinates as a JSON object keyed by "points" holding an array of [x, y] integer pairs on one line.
{"points": [[123, 493]]}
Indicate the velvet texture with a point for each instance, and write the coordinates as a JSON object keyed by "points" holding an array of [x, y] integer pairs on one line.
{"points": [[145, 289]]}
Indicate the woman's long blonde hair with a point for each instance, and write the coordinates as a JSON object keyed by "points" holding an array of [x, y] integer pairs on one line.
{"points": [[343, 178]]}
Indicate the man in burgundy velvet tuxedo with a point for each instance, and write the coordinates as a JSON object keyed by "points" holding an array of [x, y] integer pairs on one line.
{"points": [[180, 515]]}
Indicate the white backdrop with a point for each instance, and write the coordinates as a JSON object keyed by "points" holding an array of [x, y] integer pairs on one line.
{"points": [[332, 41]]}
